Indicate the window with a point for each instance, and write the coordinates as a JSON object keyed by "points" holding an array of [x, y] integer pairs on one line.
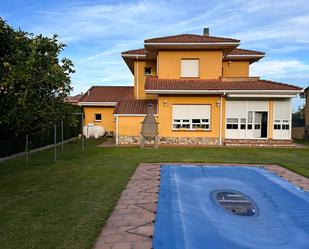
{"points": [[191, 117], [189, 68], [281, 124], [257, 121], [200, 123], [250, 120], [232, 123], [250, 117], [97, 117], [147, 71], [242, 123], [235, 202]]}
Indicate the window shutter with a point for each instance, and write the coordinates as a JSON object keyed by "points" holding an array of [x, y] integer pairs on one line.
{"points": [[190, 68], [191, 111]]}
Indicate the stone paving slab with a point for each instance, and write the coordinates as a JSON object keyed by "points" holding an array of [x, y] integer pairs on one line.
{"points": [[131, 224]]}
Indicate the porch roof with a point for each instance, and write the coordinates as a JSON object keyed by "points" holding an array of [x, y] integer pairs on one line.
{"points": [[134, 107]]}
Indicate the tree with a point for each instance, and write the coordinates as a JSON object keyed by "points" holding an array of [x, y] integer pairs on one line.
{"points": [[33, 81], [298, 117]]}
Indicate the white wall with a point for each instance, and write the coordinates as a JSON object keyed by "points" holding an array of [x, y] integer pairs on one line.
{"points": [[239, 109]]}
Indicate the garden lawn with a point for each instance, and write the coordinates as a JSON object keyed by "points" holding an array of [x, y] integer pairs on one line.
{"points": [[65, 204]]}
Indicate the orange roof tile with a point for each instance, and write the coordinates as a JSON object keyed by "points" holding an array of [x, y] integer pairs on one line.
{"points": [[154, 83], [134, 106], [140, 51], [108, 94], [239, 51], [190, 38]]}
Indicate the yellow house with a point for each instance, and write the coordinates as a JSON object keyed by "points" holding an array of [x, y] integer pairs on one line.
{"points": [[201, 91]]}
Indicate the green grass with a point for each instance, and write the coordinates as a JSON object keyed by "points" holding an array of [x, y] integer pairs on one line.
{"points": [[302, 142], [65, 204]]}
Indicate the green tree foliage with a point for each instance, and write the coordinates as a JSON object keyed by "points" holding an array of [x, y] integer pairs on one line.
{"points": [[33, 81], [298, 117]]}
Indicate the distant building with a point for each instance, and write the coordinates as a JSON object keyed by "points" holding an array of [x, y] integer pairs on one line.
{"points": [[73, 99]]}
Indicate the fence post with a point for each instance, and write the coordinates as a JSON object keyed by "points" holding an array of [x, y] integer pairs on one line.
{"points": [[27, 148], [83, 141], [61, 135], [55, 143]]}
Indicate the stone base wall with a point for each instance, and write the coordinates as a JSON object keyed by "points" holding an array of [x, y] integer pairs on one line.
{"points": [[128, 140], [135, 140], [189, 140]]}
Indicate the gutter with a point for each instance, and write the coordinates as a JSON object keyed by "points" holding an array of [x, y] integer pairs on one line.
{"points": [[97, 103], [220, 122], [286, 92], [133, 55], [244, 56]]}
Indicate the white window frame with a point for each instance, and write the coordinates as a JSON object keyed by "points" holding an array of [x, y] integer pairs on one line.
{"points": [[98, 120], [233, 122], [188, 124], [282, 123], [148, 73], [186, 71]]}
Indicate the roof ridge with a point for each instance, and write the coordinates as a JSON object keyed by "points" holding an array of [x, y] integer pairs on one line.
{"points": [[210, 36]]}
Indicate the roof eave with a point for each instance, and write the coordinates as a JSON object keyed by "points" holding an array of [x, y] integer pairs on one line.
{"points": [[251, 58], [134, 55]]}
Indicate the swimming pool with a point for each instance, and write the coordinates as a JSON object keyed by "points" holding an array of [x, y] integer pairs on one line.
{"points": [[228, 207]]}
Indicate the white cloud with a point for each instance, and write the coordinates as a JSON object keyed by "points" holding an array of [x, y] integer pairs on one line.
{"points": [[83, 22], [97, 32], [280, 69]]}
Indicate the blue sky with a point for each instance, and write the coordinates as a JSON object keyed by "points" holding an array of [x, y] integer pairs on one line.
{"points": [[97, 31]]}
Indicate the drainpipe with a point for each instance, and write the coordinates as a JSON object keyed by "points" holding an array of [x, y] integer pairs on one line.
{"points": [[117, 130], [220, 123], [136, 77], [290, 123]]}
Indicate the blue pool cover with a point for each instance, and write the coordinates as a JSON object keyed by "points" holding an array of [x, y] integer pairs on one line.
{"points": [[189, 217]]}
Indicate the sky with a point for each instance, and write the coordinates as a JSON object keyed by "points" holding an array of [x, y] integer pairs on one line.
{"points": [[96, 32]]}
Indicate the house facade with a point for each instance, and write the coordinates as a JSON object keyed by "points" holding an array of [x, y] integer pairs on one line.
{"points": [[201, 93]]}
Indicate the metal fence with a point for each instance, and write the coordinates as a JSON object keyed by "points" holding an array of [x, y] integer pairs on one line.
{"points": [[298, 122], [62, 131]]}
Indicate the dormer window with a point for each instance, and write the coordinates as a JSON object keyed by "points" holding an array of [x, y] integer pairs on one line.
{"points": [[147, 71], [190, 68]]}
